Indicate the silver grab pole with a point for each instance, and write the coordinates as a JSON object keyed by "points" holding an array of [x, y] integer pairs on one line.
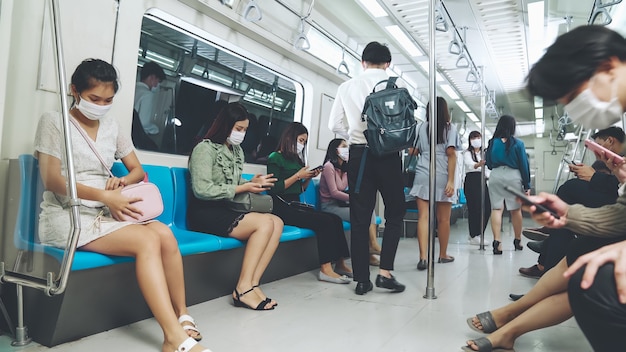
{"points": [[432, 112], [482, 154], [66, 264]]}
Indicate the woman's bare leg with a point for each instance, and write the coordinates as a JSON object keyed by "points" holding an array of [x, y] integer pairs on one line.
{"points": [[422, 227], [496, 223], [444, 211], [547, 312], [257, 229], [144, 243], [550, 284], [173, 269], [516, 219]]}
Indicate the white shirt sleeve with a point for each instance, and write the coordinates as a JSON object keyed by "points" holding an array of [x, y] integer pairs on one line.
{"points": [[337, 121]]}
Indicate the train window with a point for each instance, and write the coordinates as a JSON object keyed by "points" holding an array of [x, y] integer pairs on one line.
{"points": [[175, 109]]}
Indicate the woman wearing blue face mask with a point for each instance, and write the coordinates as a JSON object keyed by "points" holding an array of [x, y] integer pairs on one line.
{"points": [[215, 166], [289, 166], [158, 262], [474, 162]]}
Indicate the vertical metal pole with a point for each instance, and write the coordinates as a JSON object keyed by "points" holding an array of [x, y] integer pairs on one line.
{"points": [[21, 332], [69, 157], [432, 113], [482, 153]]}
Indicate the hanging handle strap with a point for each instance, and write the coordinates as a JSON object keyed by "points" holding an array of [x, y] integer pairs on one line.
{"points": [[90, 143]]}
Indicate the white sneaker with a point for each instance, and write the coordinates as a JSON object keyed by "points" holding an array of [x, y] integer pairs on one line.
{"points": [[474, 240]]}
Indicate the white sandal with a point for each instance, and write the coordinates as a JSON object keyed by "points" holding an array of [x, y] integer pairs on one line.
{"points": [[188, 344], [187, 318]]}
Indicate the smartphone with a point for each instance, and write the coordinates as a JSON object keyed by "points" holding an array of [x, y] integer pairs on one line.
{"points": [[597, 148], [521, 195], [320, 168], [570, 162]]}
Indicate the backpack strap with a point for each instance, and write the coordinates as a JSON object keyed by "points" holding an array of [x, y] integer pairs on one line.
{"points": [[391, 83], [359, 176]]}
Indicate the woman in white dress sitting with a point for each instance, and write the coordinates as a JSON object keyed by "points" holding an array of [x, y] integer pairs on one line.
{"points": [[158, 261]]}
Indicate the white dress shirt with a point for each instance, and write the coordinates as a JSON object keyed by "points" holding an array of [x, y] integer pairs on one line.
{"points": [[345, 115], [469, 163]]}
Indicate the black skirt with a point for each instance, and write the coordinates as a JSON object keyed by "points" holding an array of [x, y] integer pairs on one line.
{"points": [[217, 220]]}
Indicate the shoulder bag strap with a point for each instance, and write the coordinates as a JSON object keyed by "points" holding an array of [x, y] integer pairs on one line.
{"points": [[90, 143]]}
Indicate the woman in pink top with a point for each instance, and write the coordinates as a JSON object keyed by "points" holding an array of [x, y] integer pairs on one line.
{"points": [[334, 189]]}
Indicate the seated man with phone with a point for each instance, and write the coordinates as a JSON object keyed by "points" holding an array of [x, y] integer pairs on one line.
{"points": [[594, 186]]}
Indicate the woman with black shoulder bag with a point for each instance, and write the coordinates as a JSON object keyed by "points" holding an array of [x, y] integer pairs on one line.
{"points": [[216, 166], [287, 164]]}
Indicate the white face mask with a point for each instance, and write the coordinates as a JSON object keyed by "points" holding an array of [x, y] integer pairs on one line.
{"points": [[92, 111], [476, 143], [587, 109], [236, 137], [156, 88], [343, 153], [300, 148]]}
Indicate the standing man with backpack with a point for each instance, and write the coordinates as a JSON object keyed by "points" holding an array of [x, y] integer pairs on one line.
{"points": [[369, 173]]}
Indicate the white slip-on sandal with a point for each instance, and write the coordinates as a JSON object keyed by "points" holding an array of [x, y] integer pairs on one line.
{"points": [[187, 318], [188, 344]]}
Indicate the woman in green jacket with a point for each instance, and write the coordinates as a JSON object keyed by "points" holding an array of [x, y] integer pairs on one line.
{"points": [[216, 165]]}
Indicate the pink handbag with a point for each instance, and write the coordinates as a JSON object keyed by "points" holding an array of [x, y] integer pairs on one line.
{"points": [[151, 203]]}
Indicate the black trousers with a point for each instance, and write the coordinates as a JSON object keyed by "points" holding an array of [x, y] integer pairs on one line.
{"points": [[328, 228], [471, 187], [597, 310], [574, 191], [381, 174]]}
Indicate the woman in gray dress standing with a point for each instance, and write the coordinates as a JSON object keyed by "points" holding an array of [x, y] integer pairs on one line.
{"points": [[448, 142]]}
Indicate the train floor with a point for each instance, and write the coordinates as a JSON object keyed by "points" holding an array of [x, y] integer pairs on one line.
{"points": [[319, 316]]}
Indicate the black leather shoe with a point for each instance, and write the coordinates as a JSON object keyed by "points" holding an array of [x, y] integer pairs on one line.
{"points": [[363, 287], [515, 297], [389, 283], [422, 264]]}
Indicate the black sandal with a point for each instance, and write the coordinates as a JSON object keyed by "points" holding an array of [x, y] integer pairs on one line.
{"points": [[238, 303], [267, 298]]}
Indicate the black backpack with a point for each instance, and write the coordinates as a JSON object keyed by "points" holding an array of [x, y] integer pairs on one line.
{"points": [[390, 119]]}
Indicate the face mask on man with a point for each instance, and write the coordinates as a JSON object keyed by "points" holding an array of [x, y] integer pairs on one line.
{"points": [[236, 137], [476, 143], [92, 111], [593, 113], [344, 153]]}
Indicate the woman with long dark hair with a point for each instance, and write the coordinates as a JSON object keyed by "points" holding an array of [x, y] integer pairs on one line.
{"points": [[448, 142], [288, 165], [215, 167], [474, 163], [506, 157], [158, 262]]}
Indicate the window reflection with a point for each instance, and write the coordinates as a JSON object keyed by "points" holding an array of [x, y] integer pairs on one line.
{"points": [[200, 78]]}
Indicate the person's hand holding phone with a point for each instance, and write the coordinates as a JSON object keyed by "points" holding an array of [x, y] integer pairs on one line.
{"points": [[545, 218], [583, 172]]}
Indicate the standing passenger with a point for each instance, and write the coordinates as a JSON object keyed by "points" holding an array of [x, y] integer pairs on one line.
{"points": [[158, 263], [150, 76], [474, 163], [506, 157], [215, 166], [448, 142], [288, 165], [381, 173]]}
